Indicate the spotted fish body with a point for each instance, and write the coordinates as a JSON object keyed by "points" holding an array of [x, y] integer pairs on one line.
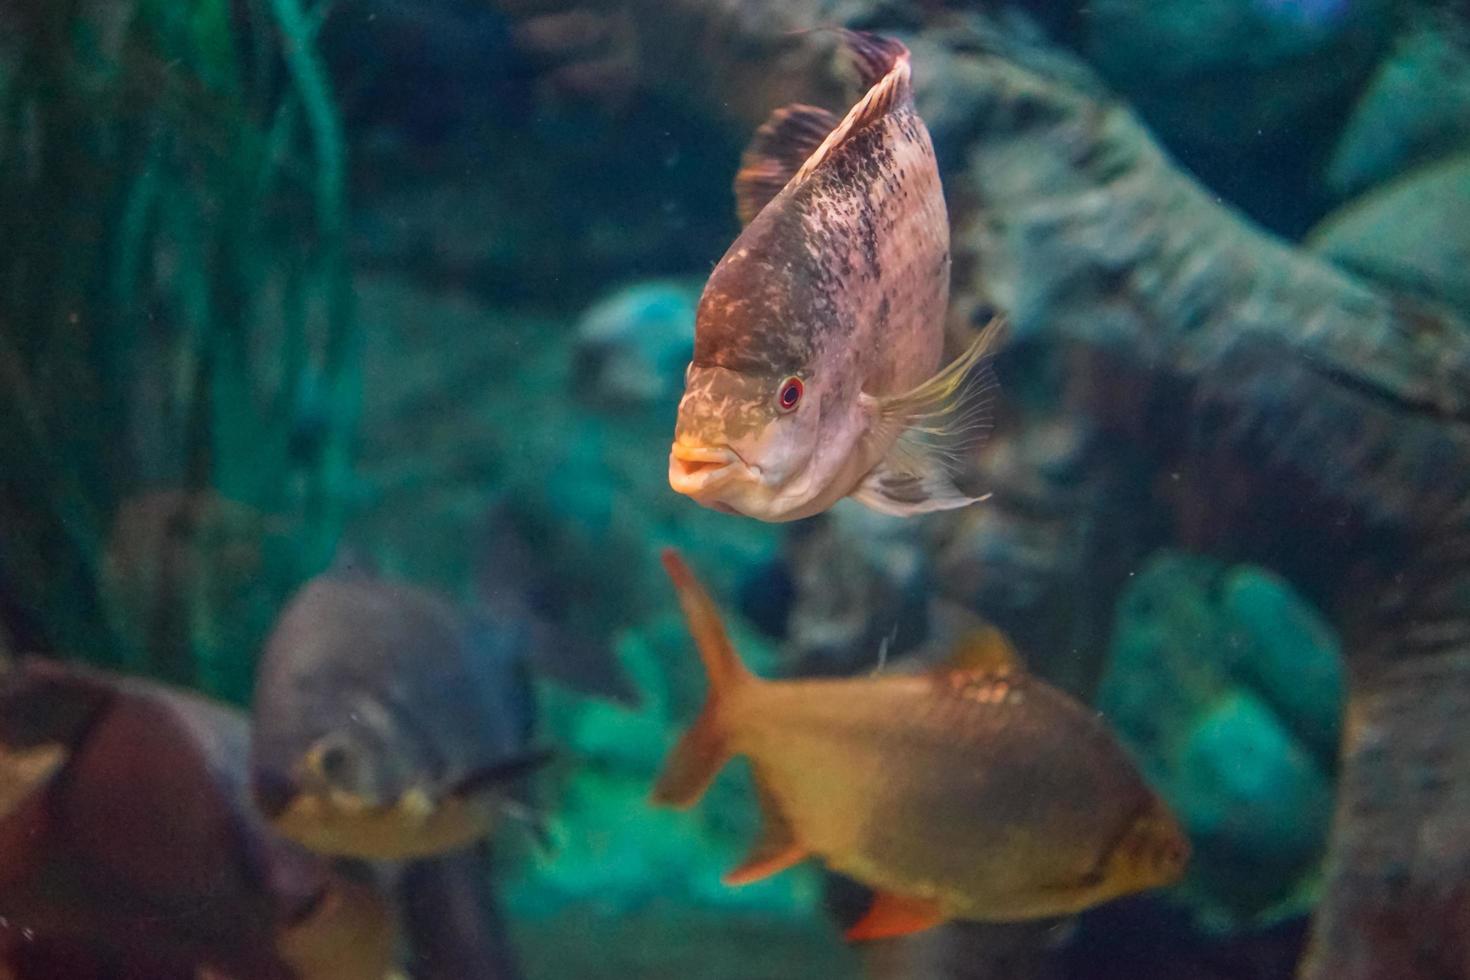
{"points": [[840, 280], [975, 791]]}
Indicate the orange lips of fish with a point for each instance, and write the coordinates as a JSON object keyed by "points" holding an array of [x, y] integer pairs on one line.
{"points": [[975, 791], [696, 470], [819, 336]]}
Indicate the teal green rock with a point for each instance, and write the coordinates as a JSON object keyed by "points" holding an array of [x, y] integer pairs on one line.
{"points": [[1412, 235], [1226, 686], [1256, 803], [1297, 667], [632, 346], [1415, 108]]}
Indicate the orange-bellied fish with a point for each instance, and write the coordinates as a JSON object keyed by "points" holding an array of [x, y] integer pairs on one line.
{"points": [[819, 336], [974, 791]]}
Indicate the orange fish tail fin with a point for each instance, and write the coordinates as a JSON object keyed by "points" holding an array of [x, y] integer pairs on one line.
{"points": [[704, 748], [721, 662]]}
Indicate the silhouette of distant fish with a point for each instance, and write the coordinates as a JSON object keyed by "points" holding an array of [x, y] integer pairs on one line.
{"points": [[818, 339], [974, 791]]}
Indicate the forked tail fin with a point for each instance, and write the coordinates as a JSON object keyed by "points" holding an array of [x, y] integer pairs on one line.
{"points": [[704, 748]]}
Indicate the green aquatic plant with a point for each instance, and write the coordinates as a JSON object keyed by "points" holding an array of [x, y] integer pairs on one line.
{"points": [[177, 345]]}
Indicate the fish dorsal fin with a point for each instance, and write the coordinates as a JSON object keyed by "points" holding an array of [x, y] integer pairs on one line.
{"points": [[777, 847], [778, 149], [974, 645], [983, 649], [890, 90]]}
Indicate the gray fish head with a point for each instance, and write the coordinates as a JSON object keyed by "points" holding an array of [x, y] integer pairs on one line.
{"points": [[756, 443], [368, 759]]}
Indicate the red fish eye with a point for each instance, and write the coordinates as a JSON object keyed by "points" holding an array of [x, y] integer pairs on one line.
{"points": [[790, 393]]}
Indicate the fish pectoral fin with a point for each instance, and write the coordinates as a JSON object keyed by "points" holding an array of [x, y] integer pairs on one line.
{"points": [[503, 772], [778, 149], [932, 431], [910, 490], [895, 915], [777, 847]]}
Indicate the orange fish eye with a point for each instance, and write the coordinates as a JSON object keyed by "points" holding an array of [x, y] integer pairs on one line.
{"points": [[788, 396]]}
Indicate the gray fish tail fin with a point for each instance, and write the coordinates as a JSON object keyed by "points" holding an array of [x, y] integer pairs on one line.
{"points": [[936, 429], [704, 748], [776, 152]]}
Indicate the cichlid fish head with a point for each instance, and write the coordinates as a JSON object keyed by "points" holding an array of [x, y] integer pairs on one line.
{"points": [[763, 441]]}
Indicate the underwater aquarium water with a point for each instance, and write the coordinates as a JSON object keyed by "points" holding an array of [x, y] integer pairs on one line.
{"points": [[734, 489]]}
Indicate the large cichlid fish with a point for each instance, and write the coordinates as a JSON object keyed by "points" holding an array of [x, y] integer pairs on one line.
{"points": [[819, 336], [973, 791]]}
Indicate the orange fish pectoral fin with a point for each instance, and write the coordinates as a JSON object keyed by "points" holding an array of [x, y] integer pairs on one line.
{"points": [[896, 915], [775, 850]]}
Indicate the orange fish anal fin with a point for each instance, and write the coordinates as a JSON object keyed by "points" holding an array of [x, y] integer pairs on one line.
{"points": [[895, 915], [777, 848], [778, 149]]}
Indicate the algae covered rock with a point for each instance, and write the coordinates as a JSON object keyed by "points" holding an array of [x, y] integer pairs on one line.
{"points": [[1412, 235], [1415, 108], [1226, 685], [633, 345], [1256, 801]]}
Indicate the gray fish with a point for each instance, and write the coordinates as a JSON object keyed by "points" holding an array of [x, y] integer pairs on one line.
{"points": [[819, 336], [388, 725]]}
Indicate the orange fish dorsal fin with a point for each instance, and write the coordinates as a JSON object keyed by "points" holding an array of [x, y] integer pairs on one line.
{"points": [[895, 915], [777, 847], [889, 90], [778, 149], [982, 649]]}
